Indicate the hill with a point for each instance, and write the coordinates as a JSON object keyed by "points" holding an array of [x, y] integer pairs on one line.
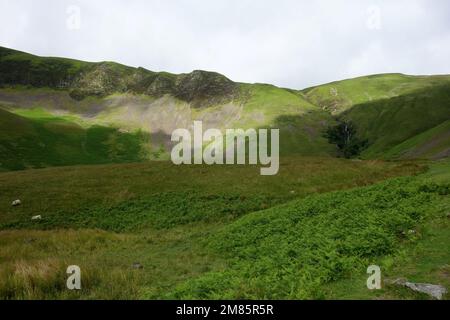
{"points": [[38, 139], [153, 104], [106, 217], [391, 111]]}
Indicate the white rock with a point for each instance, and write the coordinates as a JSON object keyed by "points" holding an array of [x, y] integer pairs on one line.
{"points": [[36, 217], [16, 203]]}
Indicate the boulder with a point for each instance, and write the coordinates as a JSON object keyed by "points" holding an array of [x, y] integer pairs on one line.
{"points": [[433, 290], [16, 203], [436, 291], [36, 217]]}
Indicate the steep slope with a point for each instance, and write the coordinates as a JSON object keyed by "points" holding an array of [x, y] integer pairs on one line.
{"points": [[132, 99], [296, 250], [83, 79], [41, 140], [339, 96], [390, 109], [431, 144]]}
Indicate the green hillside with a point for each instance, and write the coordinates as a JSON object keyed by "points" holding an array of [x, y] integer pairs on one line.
{"points": [[431, 144], [339, 96], [39, 139], [239, 236], [129, 99], [390, 109], [106, 217], [141, 229], [85, 79], [294, 250]]}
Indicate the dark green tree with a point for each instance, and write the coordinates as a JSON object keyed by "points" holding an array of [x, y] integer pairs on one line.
{"points": [[345, 138]]}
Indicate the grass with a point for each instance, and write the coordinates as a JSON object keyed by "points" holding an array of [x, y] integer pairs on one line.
{"points": [[294, 251], [33, 263], [96, 196], [426, 259], [392, 111], [433, 143], [34, 139], [301, 123], [223, 231], [340, 96], [388, 123], [105, 218], [398, 114]]}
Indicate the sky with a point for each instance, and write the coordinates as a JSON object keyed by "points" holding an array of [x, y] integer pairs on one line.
{"points": [[288, 43]]}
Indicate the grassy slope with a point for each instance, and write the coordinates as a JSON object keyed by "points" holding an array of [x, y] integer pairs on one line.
{"points": [[301, 123], [389, 109], [164, 213], [38, 139], [423, 260], [265, 106], [340, 96], [430, 144], [121, 96], [319, 246]]}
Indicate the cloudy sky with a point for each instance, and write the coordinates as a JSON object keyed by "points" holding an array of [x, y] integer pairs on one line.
{"points": [[290, 43]]}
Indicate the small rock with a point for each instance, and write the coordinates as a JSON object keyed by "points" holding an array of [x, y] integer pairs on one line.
{"points": [[292, 192], [36, 217], [137, 265], [436, 291], [16, 203]]}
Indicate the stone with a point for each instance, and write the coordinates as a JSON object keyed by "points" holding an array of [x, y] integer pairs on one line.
{"points": [[16, 203], [436, 291], [137, 265], [36, 217], [433, 290]]}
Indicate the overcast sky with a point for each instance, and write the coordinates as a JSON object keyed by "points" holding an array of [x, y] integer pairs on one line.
{"points": [[290, 43]]}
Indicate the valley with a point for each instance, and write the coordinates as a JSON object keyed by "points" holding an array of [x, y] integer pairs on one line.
{"points": [[86, 146]]}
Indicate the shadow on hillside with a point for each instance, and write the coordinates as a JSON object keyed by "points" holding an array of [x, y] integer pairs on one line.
{"points": [[388, 122], [303, 134]]}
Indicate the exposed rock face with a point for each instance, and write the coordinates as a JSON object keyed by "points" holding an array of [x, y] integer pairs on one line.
{"points": [[161, 85], [202, 87], [83, 79]]}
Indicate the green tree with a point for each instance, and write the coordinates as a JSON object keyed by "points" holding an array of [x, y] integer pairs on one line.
{"points": [[345, 138]]}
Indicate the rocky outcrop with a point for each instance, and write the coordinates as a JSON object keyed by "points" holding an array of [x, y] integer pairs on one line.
{"points": [[205, 88], [83, 79]]}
